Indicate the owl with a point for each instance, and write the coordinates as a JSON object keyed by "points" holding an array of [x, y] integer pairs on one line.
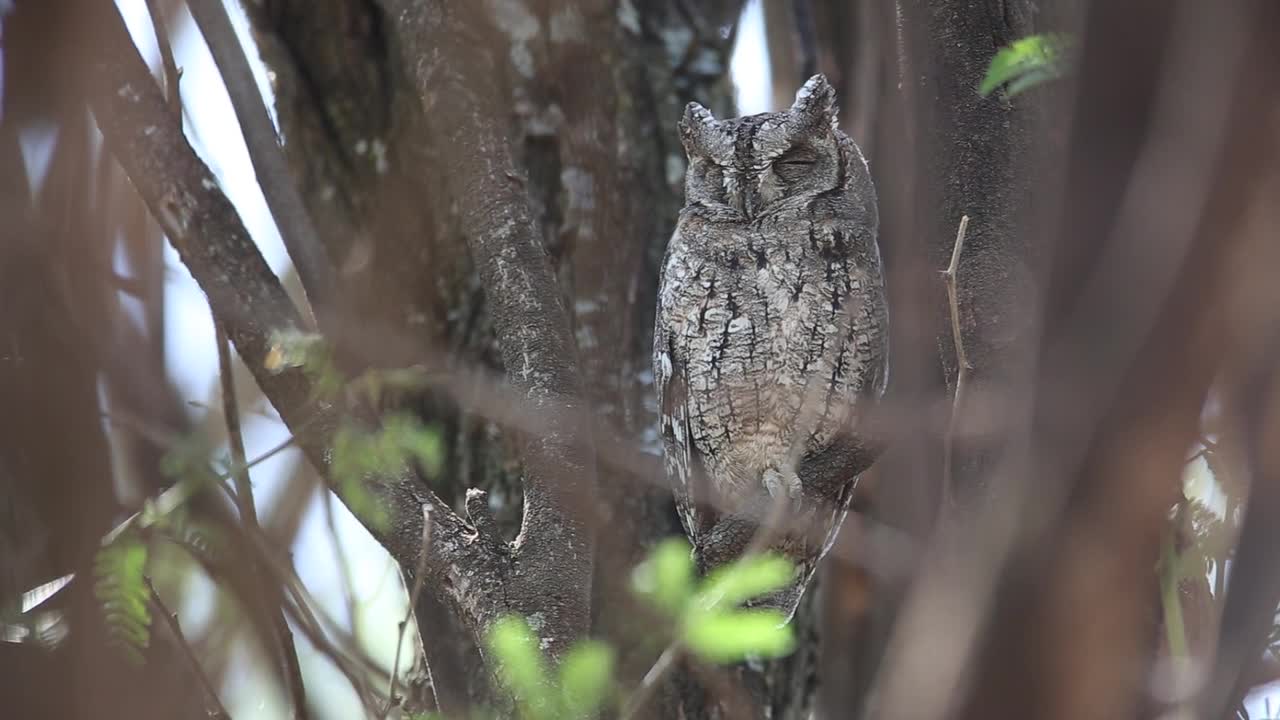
{"points": [[771, 337]]}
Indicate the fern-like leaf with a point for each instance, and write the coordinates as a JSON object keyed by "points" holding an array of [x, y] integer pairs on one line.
{"points": [[118, 572]]}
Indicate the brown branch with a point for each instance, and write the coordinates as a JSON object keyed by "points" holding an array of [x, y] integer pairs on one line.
{"points": [[343, 561], [249, 516], [1131, 352], [457, 82], [962, 361], [171, 72], [666, 663], [278, 187], [213, 704], [420, 574], [201, 223], [298, 603]]}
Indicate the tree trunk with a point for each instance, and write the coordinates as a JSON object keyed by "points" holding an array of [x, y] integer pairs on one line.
{"points": [[593, 92]]}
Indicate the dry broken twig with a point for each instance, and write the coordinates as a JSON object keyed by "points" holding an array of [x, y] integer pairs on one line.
{"points": [[962, 361]]}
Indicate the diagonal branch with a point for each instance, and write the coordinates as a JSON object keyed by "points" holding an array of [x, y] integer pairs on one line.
{"points": [[277, 183], [201, 223], [213, 704]]}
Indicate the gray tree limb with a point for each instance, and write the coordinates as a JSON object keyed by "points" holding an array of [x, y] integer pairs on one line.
{"points": [[458, 82], [247, 298]]}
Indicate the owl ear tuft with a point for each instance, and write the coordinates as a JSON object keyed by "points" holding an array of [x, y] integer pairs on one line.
{"points": [[695, 128], [815, 102]]}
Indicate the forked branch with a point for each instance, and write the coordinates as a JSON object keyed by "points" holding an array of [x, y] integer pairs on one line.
{"points": [[147, 140]]}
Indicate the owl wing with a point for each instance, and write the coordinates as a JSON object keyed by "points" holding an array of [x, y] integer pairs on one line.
{"points": [[683, 462]]}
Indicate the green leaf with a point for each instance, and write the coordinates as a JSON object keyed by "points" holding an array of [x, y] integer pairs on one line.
{"points": [[119, 570], [306, 351], [1026, 63], [586, 675], [744, 580], [733, 637], [666, 577], [411, 439], [520, 666], [360, 456], [188, 459]]}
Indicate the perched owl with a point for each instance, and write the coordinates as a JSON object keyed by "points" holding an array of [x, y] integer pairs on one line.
{"points": [[772, 329]]}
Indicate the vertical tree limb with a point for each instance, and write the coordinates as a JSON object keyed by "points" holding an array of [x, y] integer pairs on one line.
{"points": [[457, 78], [962, 360]]}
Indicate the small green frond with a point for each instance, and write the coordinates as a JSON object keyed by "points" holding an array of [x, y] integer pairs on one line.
{"points": [[308, 352], [733, 637], [521, 667], [361, 455], [118, 570], [1028, 62], [586, 678], [405, 435], [666, 578], [743, 580], [187, 459]]}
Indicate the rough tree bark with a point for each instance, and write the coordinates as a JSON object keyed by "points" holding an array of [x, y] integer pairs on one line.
{"points": [[413, 130]]}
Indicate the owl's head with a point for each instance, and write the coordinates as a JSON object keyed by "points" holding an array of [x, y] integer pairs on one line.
{"points": [[751, 166]]}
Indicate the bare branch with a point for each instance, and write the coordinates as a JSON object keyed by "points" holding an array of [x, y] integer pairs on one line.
{"points": [[420, 574], [249, 516], [292, 218], [247, 297], [962, 361], [213, 704], [171, 72], [667, 662]]}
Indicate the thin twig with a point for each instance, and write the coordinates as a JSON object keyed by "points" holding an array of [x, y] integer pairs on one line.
{"points": [[171, 72], [185, 488], [249, 516], [300, 604], [419, 574], [278, 187], [213, 704], [962, 360], [344, 562], [669, 660], [351, 660], [235, 438]]}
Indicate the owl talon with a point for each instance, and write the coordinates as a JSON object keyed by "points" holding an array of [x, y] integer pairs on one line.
{"points": [[776, 484]]}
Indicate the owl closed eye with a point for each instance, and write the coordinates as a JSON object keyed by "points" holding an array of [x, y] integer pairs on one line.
{"points": [[743, 167], [795, 164]]}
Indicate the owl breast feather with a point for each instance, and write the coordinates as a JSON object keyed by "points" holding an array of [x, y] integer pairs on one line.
{"points": [[762, 321]]}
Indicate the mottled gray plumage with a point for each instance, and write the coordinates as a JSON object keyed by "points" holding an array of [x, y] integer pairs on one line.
{"points": [[771, 300]]}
